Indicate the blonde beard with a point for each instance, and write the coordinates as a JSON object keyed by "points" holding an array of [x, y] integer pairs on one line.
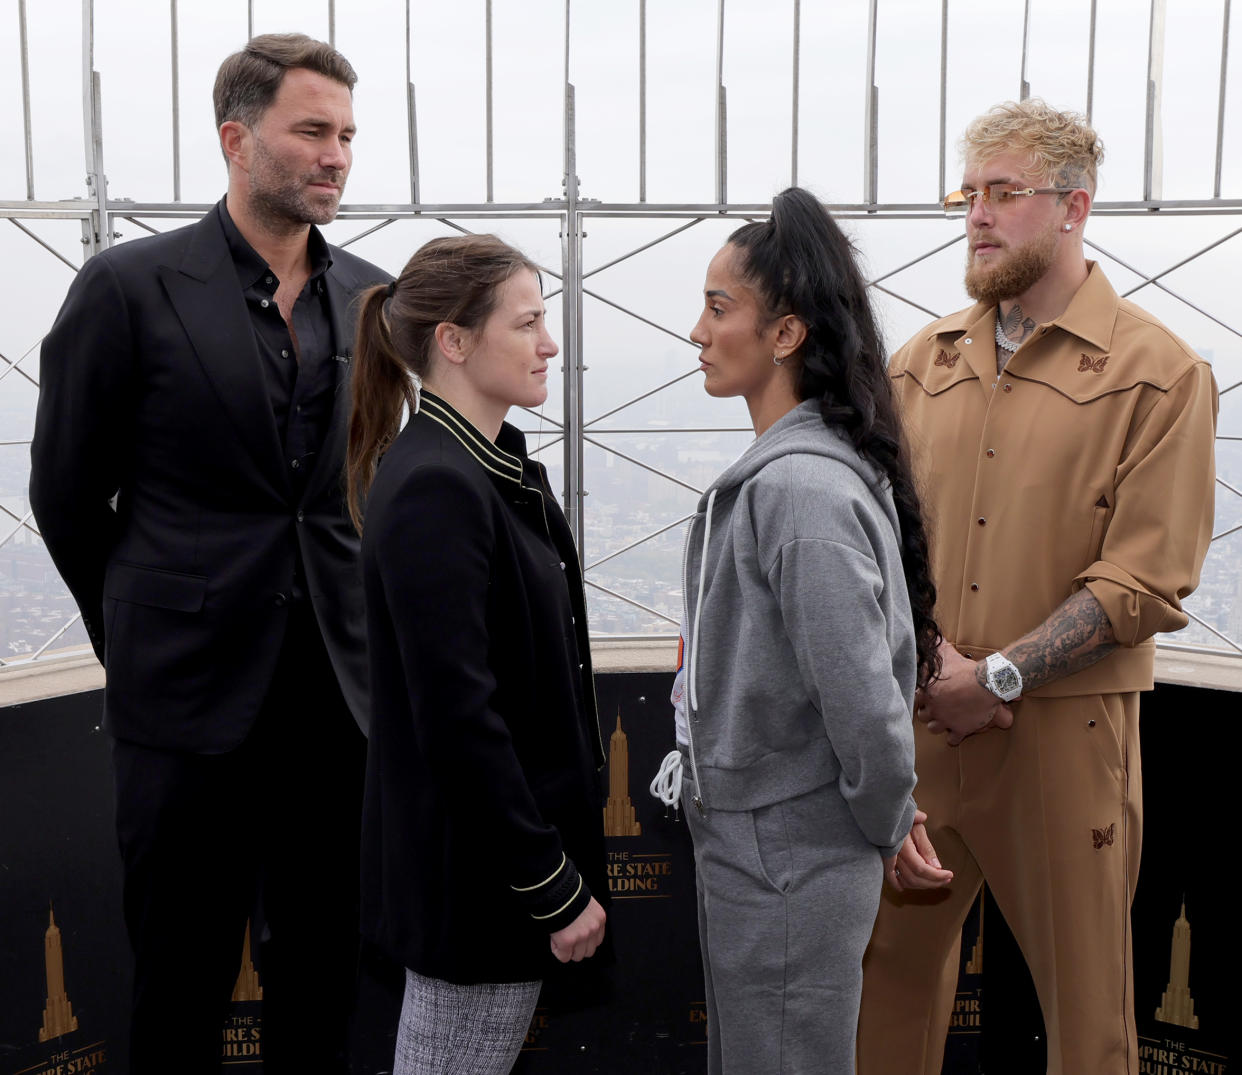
{"points": [[1020, 270]]}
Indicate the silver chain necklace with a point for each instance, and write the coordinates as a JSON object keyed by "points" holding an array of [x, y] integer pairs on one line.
{"points": [[1003, 341]]}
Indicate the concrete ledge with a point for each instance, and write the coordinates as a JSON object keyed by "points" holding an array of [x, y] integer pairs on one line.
{"points": [[78, 671], [50, 677], [645, 655], [1190, 668]]}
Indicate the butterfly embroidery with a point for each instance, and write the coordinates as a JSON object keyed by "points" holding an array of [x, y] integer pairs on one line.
{"points": [[1087, 364], [943, 359], [1101, 837]]}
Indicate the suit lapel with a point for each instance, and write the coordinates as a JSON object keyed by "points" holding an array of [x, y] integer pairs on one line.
{"points": [[329, 467], [207, 298]]}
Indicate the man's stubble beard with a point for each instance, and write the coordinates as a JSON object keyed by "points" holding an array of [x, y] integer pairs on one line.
{"points": [[1021, 269], [280, 199]]}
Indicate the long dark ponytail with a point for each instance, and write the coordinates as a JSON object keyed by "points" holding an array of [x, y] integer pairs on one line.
{"points": [[799, 261]]}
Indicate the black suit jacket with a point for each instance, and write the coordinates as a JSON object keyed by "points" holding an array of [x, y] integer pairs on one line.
{"points": [[152, 393], [482, 819]]}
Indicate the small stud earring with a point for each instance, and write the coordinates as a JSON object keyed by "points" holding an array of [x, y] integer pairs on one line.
{"points": [[1069, 227]]}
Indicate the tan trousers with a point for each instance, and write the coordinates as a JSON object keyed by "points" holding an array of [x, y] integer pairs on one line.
{"points": [[1050, 814]]}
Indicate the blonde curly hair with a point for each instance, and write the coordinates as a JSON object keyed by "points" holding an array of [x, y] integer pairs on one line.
{"points": [[1063, 148]]}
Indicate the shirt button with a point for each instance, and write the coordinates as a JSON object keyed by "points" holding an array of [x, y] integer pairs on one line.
{"points": [[968, 340], [562, 565], [267, 279], [264, 303], [280, 600], [991, 453], [974, 587], [294, 463], [284, 354], [982, 521], [300, 516]]}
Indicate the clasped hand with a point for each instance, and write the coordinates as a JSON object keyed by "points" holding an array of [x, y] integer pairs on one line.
{"points": [[580, 939], [915, 865], [956, 703]]}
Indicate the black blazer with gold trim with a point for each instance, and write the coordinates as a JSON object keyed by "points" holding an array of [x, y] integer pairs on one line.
{"points": [[152, 391], [482, 820]]}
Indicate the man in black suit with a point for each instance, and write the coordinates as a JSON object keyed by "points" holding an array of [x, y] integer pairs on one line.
{"points": [[187, 478]]}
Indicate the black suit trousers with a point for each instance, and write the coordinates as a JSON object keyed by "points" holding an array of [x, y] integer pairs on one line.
{"points": [[208, 840]]}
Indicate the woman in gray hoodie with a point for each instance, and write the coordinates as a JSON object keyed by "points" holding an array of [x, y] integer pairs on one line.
{"points": [[808, 626]]}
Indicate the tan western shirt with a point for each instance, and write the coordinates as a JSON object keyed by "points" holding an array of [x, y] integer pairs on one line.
{"points": [[1088, 461]]}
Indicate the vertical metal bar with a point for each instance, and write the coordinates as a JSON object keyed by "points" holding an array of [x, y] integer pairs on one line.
{"points": [[1024, 86], [944, 97], [88, 65], [1091, 62], [571, 316], [97, 232], [797, 54], [411, 110], [1153, 154], [487, 51], [871, 155], [332, 23], [176, 104], [1220, 109], [642, 100], [103, 224], [412, 113], [249, 19], [24, 45], [722, 117]]}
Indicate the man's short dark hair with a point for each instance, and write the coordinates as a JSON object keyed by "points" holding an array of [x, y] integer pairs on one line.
{"points": [[249, 80]]}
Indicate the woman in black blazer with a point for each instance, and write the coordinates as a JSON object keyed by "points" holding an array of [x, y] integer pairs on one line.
{"points": [[483, 846]]}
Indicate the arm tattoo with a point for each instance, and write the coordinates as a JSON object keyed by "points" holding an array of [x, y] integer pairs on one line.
{"points": [[1074, 637]]}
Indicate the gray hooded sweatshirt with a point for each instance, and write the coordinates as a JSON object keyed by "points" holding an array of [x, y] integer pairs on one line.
{"points": [[800, 651]]}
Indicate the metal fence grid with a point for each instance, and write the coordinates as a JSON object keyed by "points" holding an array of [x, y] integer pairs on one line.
{"points": [[630, 462]]}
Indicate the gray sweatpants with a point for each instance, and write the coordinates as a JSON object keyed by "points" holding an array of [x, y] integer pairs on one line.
{"points": [[787, 897]]}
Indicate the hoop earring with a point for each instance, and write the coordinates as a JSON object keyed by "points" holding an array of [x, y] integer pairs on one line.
{"points": [[779, 361]]}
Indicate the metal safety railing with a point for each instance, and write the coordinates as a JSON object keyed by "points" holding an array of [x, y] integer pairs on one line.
{"points": [[575, 430]]}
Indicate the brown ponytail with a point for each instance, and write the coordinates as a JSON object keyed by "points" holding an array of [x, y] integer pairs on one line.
{"points": [[381, 390], [454, 280]]}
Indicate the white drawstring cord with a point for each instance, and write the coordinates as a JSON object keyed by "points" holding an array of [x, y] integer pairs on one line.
{"points": [[667, 783]]}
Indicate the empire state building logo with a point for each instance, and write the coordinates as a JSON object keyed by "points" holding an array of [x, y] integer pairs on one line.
{"points": [[619, 817], [58, 1017], [247, 986], [1177, 1006], [975, 964]]}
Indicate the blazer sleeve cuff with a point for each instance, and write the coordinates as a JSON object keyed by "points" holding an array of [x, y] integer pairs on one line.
{"points": [[557, 900]]}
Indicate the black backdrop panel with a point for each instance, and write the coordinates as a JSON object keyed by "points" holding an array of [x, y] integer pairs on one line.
{"points": [[58, 858]]}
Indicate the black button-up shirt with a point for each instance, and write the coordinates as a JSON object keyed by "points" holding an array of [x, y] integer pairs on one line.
{"points": [[300, 382]]}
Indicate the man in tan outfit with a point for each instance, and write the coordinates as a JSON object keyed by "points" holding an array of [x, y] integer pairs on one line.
{"points": [[1065, 442]]}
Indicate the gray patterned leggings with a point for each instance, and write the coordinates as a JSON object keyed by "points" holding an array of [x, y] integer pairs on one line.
{"points": [[450, 1029]]}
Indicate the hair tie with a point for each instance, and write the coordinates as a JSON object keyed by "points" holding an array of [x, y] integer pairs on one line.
{"points": [[392, 289]]}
